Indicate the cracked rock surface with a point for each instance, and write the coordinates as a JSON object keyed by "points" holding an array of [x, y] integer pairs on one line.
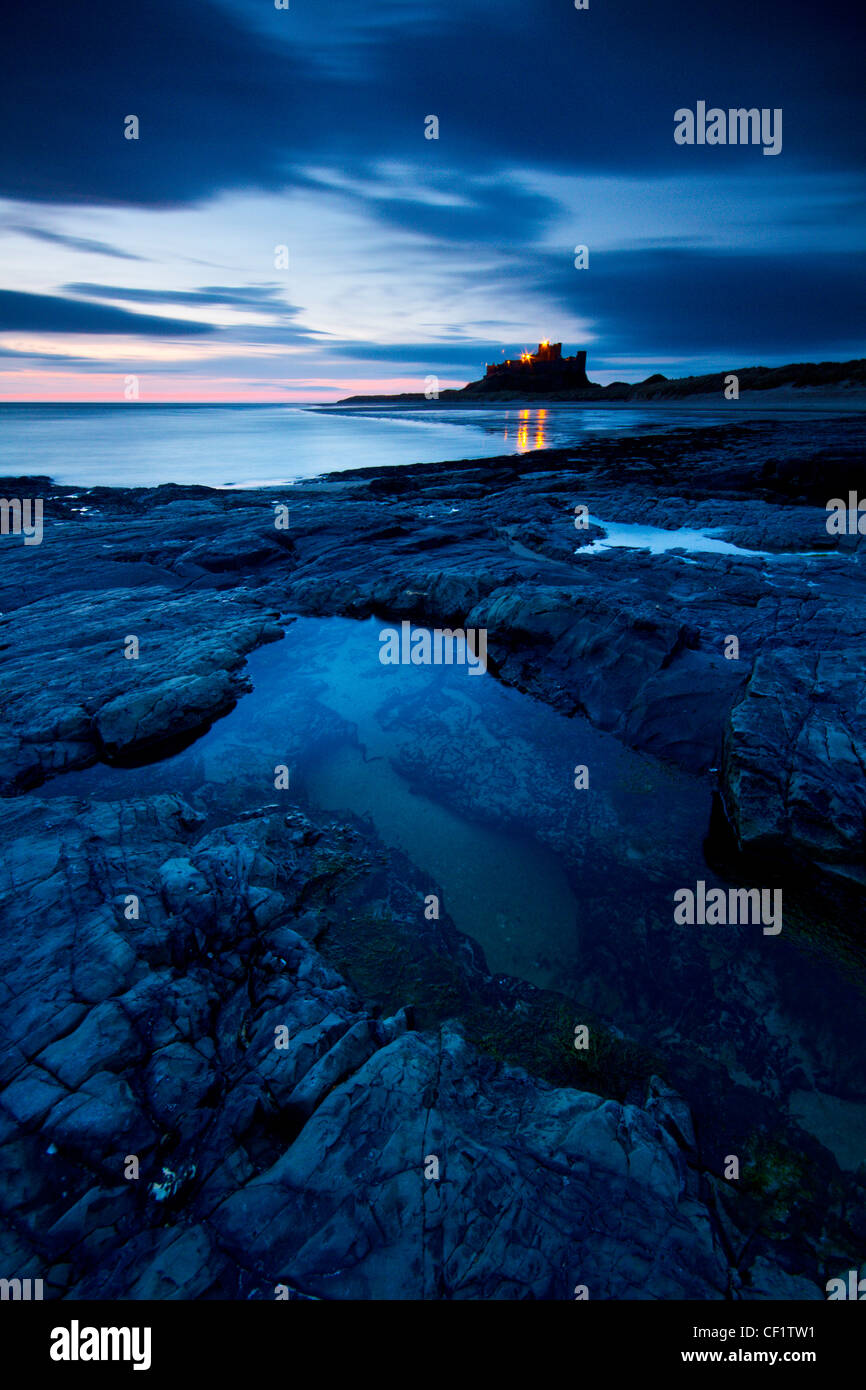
{"points": [[302, 1164], [153, 950]]}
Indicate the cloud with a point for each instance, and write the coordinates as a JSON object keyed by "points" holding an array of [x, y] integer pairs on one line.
{"points": [[46, 313], [443, 204], [556, 128], [214, 102], [260, 297], [430, 356], [712, 302], [226, 100], [76, 243]]}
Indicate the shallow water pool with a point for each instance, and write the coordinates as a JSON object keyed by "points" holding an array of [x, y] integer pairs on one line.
{"points": [[571, 889]]}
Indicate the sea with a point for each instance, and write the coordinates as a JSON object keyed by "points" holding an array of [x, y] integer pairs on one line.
{"points": [[243, 446]]}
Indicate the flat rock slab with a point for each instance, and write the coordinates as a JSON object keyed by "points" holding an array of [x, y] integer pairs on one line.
{"points": [[70, 696]]}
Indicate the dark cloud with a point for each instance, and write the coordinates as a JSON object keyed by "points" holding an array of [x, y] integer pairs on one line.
{"points": [[76, 243], [47, 313], [452, 206], [223, 104], [711, 302], [544, 85], [214, 102], [503, 214]]}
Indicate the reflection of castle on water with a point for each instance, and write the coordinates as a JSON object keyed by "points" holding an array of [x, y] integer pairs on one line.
{"points": [[531, 434], [543, 370]]}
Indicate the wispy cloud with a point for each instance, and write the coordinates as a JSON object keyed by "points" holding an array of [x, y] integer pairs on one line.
{"points": [[75, 243], [234, 296]]}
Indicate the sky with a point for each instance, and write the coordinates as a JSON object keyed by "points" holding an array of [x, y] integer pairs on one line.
{"points": [[282, 229]]}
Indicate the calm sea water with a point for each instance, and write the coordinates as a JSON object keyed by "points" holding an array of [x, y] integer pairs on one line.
{"points": [[251, 446]]}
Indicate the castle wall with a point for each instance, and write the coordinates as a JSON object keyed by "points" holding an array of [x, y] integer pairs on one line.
{"points": [[546, 370]]}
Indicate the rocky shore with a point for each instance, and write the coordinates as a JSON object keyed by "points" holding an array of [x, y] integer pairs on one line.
{"points": [[153, 948]]}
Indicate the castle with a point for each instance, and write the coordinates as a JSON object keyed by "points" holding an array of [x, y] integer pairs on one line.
{"points": [[543, 370]]}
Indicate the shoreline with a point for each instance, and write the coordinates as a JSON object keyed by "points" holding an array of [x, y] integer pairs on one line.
{"points": [[781, 399]]}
